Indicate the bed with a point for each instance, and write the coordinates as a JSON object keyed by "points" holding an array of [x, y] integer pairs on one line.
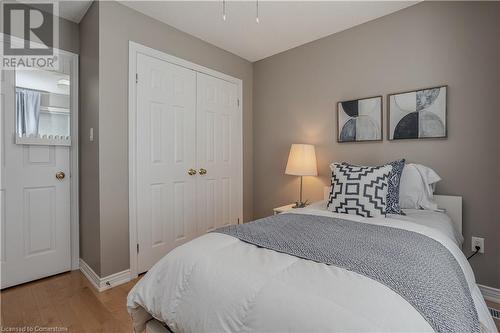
{"points": [[220, 283]]}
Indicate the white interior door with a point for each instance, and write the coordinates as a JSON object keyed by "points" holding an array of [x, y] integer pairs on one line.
{"points": [[35, 208], [165, 152], [218, 153]]}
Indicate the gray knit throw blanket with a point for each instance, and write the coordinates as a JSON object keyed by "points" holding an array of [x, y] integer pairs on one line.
{"points": [[415, 266]]}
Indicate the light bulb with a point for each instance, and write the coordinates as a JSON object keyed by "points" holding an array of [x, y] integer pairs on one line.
{"points": [[223, 10], [257, 11]]}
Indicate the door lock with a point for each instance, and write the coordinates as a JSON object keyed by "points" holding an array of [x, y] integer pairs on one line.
{"points": [[60, 175]]}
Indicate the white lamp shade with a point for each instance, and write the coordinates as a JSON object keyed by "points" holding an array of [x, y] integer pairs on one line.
{"points": [[301, 161]]}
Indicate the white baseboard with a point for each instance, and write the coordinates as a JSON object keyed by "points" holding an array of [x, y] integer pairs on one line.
{"points": [[104, 283], [490, 293]]}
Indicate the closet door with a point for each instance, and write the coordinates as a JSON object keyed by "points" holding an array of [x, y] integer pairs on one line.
{"points": [[166, 151], [218, 153]]}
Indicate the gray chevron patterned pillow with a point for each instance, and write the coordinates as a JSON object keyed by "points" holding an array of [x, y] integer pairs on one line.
{"points": [[359, 190], [393, 190]]}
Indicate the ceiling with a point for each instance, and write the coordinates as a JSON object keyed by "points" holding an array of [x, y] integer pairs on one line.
{"points": [[283, 24], [73, 10]]}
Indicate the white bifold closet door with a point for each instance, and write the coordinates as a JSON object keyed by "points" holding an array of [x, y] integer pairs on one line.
{"points": [[218, 150], [186, 123], [166, 150]]}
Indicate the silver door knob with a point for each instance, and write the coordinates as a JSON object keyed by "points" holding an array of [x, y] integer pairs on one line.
{"points": [[203, 171], [191, 172], [60, 175]]}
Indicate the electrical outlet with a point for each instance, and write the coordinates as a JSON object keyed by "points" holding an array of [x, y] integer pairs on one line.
{"points": [[477, 241]]}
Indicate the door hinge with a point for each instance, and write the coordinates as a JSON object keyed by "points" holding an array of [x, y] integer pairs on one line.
{"points": [[238, 220], [238, 101], [136, 78], [137, 248]]}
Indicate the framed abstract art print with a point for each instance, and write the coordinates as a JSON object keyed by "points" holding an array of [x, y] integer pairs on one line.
{"points": [[418, 114], [359, 120]]}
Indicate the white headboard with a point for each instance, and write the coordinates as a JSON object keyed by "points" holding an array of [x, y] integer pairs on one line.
{"points": [[451, 204]]}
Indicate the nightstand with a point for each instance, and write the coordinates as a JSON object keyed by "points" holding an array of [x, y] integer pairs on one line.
{"points": [[283, 209]]}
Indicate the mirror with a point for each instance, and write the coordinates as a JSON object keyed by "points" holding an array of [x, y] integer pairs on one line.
{"points": [[43, 114]]}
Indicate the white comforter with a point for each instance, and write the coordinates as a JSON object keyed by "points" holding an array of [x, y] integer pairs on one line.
{"points": [[217, 283]]}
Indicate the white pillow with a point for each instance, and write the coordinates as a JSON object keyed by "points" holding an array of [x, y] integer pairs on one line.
{"points": [[417, 187]]}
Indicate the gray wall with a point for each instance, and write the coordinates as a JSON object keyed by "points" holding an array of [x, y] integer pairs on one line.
{"points": [[117, 25], [69, 36], [431, 43], [90, 245]]}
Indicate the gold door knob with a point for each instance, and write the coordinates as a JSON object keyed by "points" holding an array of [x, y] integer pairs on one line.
{"points": [[191, 172], [60, 175], [203, 171]]}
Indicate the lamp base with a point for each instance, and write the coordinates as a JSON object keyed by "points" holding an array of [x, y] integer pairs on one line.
{"points": [[300, 204]]}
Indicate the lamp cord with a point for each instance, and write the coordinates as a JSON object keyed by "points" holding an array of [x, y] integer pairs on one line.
{"points": [[477, 251]]}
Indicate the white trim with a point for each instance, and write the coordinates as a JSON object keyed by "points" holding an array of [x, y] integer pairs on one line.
{"points": [[74, 175], [89, 273], [139, 48], [134, 49], [490, 293], [104, 283], [132, 173]]}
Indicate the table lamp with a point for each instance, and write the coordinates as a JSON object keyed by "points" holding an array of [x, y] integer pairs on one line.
{"points": [[301, 162]]}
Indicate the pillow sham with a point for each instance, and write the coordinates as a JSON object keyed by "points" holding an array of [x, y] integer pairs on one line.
{"points": [[417, 187], [392, 205], [359, 190]]}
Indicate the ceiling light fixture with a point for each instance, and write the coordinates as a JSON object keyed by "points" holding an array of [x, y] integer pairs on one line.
{"points": [[224, 10], [257, 11], [224, 17]]}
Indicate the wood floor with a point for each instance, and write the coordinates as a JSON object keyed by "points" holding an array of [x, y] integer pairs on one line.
{"points": [[68, 301]]}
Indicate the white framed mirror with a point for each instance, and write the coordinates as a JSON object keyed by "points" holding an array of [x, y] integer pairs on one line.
{"points": [[43, 106]]}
